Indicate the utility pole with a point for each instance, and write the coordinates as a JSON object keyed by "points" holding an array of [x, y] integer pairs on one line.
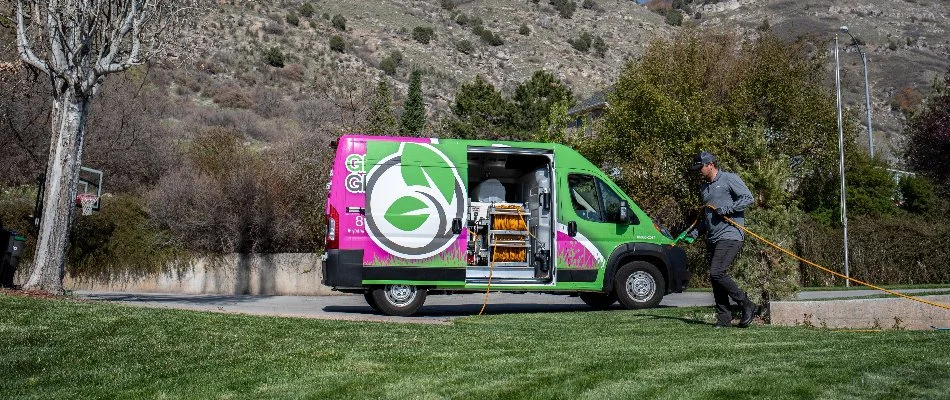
{"points": [[844, 203], [867, 89]]}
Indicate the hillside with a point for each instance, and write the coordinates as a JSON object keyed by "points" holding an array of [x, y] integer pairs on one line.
{"points": [[907, 43], [231, 42]]}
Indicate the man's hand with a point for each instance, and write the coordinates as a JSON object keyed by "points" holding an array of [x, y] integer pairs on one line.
{"points": [[684, 237], [723, 210]]}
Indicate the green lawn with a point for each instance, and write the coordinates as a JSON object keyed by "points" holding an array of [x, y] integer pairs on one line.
{"points": [[79, 350]]}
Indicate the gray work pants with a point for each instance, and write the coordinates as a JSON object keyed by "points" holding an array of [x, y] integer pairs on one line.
{"points": [[721, 254]]}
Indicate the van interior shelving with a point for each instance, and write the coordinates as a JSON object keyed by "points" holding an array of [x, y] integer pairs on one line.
{"points": [[510, 214]]}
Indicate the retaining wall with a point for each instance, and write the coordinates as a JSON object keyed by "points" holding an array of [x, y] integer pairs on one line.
{"points": [[290, 274], [894, 313]]}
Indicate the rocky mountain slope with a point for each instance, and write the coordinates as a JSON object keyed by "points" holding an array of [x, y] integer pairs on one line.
{"points": [[907, 43], [233, 38]]}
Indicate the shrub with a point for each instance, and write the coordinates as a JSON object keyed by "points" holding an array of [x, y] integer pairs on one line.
{"points": [[293, 19], [396, 55], [325, 16], [489, 37], [524, 30], [306, 9], [589, 5], [16, 204], [274, 57], [422, 34], [339, 22], [917, 195], [337, 44], [907, 100], [600, 47], [120, 239], [388, 65], [447, 4], [464, 46], [229, 197], [582, 43], [565, 8], [673, 17], [233, 97], [273, 28], [883, 250]]}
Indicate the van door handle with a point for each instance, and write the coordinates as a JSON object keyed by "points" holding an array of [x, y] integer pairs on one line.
{"points": [[572, 229], [457, 226]]}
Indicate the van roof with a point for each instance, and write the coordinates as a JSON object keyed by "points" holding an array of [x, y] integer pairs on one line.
{"points": [[482, 142]]}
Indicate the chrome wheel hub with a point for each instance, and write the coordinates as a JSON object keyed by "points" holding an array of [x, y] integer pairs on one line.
{"points": [[400, 295], [641, 286]]}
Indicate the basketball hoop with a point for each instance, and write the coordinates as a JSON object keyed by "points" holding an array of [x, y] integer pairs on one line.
{"points": [[87, 201]]}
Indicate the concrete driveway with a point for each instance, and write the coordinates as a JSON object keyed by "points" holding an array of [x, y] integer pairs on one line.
{"points": [[437, 309]]}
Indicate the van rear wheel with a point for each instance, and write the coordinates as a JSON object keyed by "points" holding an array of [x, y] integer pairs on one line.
{"points": [[639, 284], [599, 301], [399, 300], [371, 301]]}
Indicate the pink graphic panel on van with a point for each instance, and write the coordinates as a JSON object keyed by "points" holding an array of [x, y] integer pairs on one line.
{"points": [[571, 254], [396, 198]]}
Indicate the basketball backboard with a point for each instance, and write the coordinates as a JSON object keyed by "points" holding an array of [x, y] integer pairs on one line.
{"points": [[90, 182]]}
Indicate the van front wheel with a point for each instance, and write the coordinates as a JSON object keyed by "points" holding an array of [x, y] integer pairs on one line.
{"points": [[639, 284], [399, 300]]}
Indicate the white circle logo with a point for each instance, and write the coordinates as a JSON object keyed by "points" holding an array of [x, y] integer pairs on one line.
{"points": [[412, 197]]}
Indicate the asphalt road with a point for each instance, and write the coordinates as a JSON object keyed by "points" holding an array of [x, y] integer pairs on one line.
{"points": [[437, 309]]}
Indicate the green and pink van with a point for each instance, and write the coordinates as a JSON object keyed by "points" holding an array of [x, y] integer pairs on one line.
{"points": [[411, 217]]}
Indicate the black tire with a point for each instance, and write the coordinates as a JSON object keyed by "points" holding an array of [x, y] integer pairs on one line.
{"points": [[639, 285], [599, 301], [398, 300], [371, 301]]}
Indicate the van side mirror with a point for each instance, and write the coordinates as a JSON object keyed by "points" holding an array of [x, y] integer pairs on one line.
{"points": [[572, 229], [624, 212]]}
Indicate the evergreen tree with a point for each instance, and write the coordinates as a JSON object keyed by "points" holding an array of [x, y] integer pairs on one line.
{"points": [[535, 97], [381, 119], [481, 112], [413, 119]]}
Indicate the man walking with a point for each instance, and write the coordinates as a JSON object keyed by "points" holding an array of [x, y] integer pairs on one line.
{"points": [[724, 195]]}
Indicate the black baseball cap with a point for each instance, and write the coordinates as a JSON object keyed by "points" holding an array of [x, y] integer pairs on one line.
{"points": [[703, 158]]}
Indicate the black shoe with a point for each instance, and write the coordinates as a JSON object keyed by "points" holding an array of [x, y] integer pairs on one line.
{"points": [[748, 313]]}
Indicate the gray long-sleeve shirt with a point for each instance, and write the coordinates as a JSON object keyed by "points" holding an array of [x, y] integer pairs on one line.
{"points": [[731, 197]]}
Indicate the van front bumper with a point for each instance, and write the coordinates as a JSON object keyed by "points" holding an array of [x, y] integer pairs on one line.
{"points": [[678, 269]]}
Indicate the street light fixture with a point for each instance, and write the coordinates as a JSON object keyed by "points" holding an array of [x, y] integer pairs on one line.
{"points": [[844, 203], [867, 90]]}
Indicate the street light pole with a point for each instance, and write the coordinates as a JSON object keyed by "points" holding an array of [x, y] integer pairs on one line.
{"points": [[867, 88], [844, 203]]}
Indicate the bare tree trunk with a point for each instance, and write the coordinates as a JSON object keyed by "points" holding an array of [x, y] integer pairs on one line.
{"points": [[59, 197]]}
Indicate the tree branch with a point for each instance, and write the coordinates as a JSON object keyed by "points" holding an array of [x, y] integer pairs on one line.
{"points": [[23, 43]]}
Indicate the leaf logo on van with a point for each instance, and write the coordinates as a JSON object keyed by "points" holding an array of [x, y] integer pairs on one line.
{"points": [[411, 197], [408, 213]]}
